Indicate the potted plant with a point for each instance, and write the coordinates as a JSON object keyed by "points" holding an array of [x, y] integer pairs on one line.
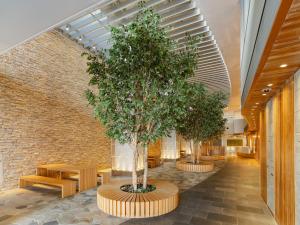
{"points": [[139, 85]]}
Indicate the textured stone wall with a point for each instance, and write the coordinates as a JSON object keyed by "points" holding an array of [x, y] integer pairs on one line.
{"points": [[297, 145], [44, 117], [270, 150]]}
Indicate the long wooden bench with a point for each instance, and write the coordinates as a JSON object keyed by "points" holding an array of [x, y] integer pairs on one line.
{"points": [[68, 187]]}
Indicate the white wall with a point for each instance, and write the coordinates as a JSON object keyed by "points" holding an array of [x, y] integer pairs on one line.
{"points": [[270, 155], [1, 169], [22, 20], [297, 145], [122, 158], [170, 147]]}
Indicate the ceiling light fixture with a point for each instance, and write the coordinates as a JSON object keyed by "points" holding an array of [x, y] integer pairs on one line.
{"points": [[283, 65], [270, 85], [68, 27], [264, 94], [257, 103]]}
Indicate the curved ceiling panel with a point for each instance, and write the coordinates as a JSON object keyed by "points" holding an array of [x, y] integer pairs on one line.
{"points": [[179, 17]]}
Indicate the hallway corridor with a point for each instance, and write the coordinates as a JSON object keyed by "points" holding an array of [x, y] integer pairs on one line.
{"points": [[231, 196]]}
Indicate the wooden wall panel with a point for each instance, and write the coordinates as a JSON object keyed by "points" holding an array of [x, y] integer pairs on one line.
{"points": [[285, 214], [283, 119], [155, 149], [262, 154]]}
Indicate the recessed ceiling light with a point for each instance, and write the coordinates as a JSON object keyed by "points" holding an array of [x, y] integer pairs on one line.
{"points": [[283, 65], [264, 94], [270, 85], [68, 27], [257, 103]]}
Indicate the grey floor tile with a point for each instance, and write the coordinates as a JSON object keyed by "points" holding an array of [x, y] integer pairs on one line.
{"points": [[222, 218]]}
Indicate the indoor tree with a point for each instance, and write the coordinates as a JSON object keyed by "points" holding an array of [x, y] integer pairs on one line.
{"points": [[204, 120], [140, 84]]}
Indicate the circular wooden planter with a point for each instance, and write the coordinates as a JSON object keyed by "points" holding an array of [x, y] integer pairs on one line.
{"points": [[202, 167], [212, 157], [245, 155], [115, 202]]}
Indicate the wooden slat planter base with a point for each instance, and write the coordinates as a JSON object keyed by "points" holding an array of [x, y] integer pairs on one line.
{"points": [[202, 167], [115, 202], [212, 157]]}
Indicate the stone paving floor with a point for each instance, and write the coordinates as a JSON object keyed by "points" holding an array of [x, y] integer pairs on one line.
{"points": [[230, 196], [40, 206]]}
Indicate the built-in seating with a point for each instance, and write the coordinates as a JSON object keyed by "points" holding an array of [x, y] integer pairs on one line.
{"points": [[154, 161], [104, 173], [68, 187]]}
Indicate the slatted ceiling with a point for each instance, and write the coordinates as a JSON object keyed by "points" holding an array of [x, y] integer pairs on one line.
{"points": [[179, 18], [284, 50]]}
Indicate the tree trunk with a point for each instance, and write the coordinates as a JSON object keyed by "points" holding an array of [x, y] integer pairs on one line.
{"points": [[145, 179], [199, 146], [196, 147], [192, 151], [134, 147]]}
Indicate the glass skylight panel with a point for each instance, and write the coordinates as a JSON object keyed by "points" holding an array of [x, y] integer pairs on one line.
{"points": [[179, 17], [81, 21]]}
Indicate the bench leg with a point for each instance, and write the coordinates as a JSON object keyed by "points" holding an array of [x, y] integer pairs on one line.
{"points": [[68, 190]]}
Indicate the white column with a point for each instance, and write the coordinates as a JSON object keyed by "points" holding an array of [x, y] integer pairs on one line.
{"points": [[170, 147], [122, 158], [270, 155], [1, 170], [297, 145]]}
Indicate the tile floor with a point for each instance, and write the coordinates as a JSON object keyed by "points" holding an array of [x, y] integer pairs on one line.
{"points": [[40, 206], [228, 195]]}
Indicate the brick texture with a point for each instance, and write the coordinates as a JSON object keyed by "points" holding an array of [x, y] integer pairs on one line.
{"points": [[44, 117]]}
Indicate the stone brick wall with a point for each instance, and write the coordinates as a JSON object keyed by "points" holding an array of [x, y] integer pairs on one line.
{"points": [[44, 116]]}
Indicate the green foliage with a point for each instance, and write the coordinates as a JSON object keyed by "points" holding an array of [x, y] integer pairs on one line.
{"points": [[204, 119], [141, 82]]}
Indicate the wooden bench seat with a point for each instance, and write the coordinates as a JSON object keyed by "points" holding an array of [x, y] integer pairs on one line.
{"points": [[68, 187], [113, 201], [104, 175], [154, 161]]}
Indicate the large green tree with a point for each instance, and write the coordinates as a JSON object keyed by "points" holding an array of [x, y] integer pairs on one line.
{"points": [[205, 118], [140, 84]]}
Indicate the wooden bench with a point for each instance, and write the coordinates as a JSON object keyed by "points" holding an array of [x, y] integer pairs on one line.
{"points": [[154, 161], [68, 187], [201, 167], [104, 175]]}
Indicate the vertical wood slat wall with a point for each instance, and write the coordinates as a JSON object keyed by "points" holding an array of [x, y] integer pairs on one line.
{"points": [[283, 114], [286, 206]]}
